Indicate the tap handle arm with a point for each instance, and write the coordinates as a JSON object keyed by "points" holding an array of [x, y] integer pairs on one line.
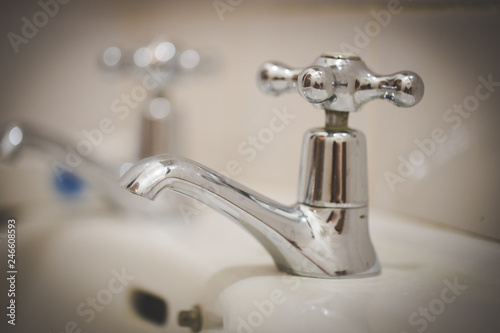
{"points": [[341, 82], [276, 78]]}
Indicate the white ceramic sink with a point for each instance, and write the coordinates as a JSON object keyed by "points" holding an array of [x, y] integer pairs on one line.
{"points": [[86, 273], [210, 261], [432, 280]]}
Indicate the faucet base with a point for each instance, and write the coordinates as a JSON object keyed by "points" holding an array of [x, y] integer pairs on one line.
{"points": [[339, 242]]}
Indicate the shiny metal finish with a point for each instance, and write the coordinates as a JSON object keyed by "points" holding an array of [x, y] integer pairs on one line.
{"points": [[276, 78], [334, 169], [337, 82], [303, 240], [326, 233]]}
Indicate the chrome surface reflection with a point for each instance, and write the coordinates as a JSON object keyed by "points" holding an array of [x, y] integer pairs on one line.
{"points": [[326, 233], [341, 82], [303, 240]]}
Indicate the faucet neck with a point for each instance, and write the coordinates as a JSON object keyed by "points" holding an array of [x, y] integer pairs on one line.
{"points": [[336, 120]]}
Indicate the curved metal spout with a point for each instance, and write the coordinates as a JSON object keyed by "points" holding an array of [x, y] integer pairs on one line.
{"points": [[303, 240]]}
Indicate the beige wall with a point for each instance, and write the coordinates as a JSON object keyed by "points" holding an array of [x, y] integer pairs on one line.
{"points": [[54, 81]]}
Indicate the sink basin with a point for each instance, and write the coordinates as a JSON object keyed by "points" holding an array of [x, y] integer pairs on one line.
{"points": [[140, 274], [103, 274], [433, 280]]}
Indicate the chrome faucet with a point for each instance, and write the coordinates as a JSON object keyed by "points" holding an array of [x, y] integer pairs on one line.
{"points": [[73, 173], [325, 234], [166, 62]]}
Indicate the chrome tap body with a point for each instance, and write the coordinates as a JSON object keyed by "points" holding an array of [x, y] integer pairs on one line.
{"points": [[325, 234]]}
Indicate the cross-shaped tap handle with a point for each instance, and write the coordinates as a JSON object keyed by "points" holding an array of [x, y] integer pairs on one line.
{"points": [[341, 82]]}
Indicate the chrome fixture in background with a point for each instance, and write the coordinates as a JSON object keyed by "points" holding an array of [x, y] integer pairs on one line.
{"points": [[326, 233], [168, 62], [72, 173]]}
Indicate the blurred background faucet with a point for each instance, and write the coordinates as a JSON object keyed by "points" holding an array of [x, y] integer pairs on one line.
{"points": [[74, 174], [74, 177], [167, 62]]}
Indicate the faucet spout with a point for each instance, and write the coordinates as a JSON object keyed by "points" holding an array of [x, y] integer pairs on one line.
{"points": [[301, 239]]}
